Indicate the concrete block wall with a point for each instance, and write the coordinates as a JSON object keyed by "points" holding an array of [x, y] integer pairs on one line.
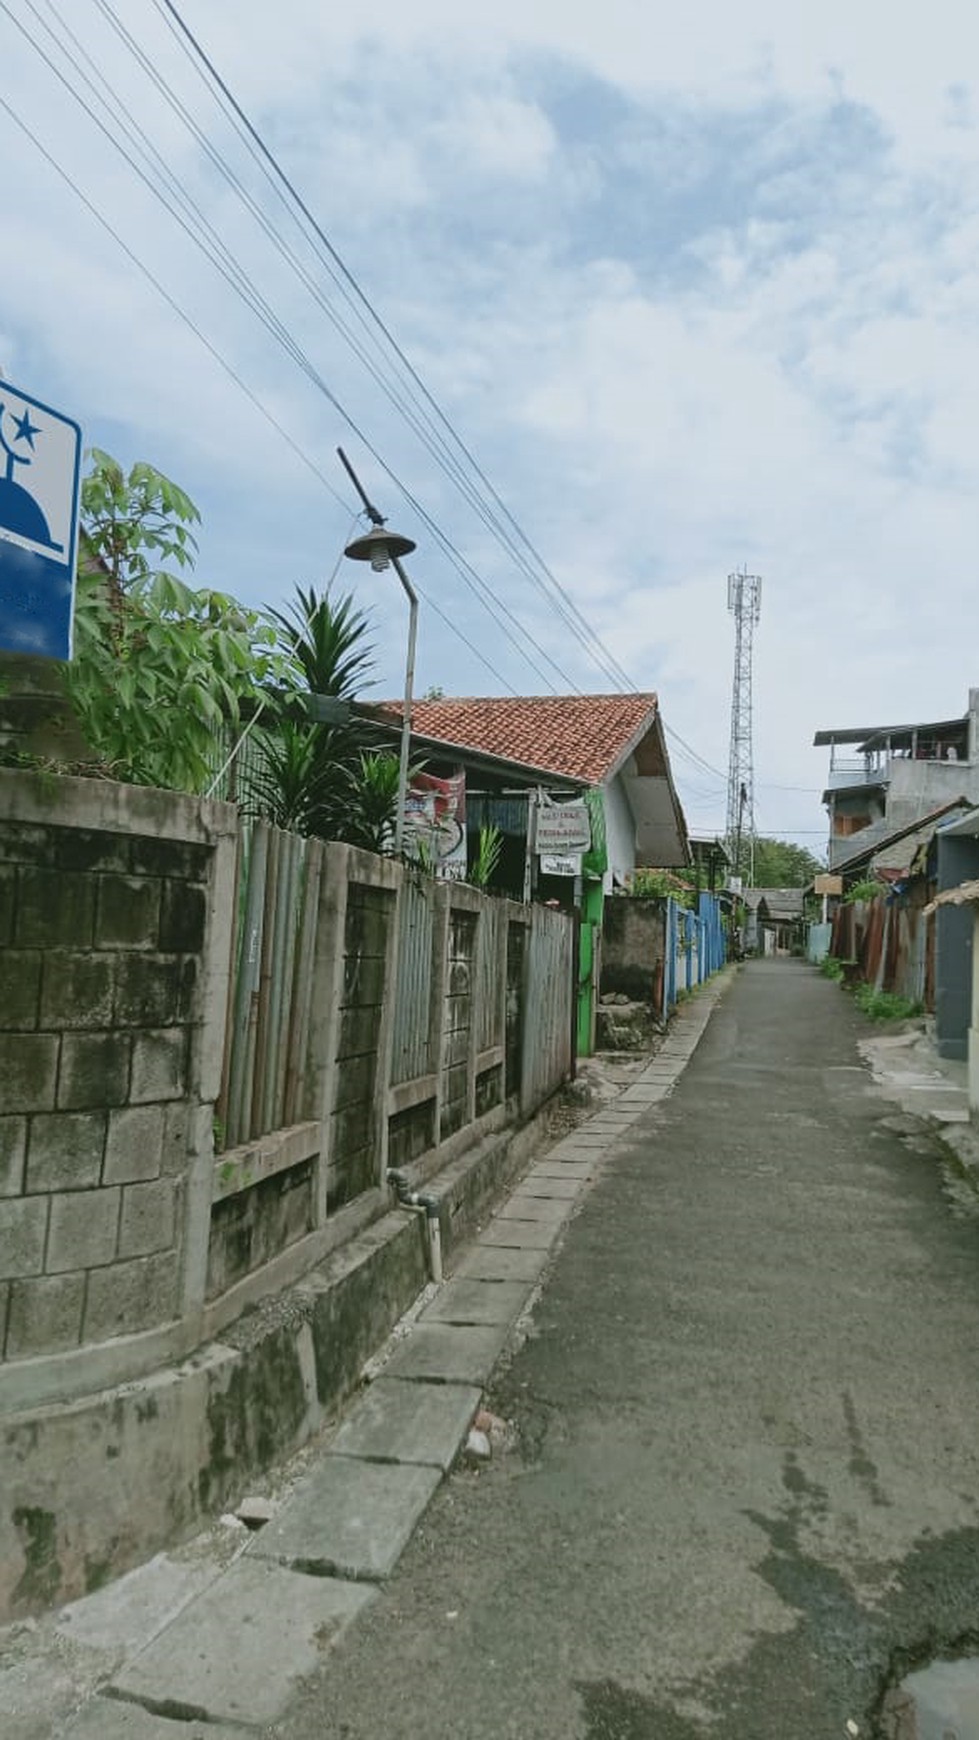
{"points": [[103, 980], [633, 947], [133, 1392]]}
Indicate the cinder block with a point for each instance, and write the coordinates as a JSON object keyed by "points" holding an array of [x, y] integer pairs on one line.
{"points": [[8, 888], [76, 990], [134, 1144], [28, 1071], [131, 1296], [94, 1070], [176, 1138], [65, 1150], [183, 918], [20, 982], [23, 843], [13, 1148], [23, 1224], [154, 990], [45, 1314], [159, 1065], [55, 908], [178, 858], [128, 913], [90, 849], [147, 1222], [84, 1227]]}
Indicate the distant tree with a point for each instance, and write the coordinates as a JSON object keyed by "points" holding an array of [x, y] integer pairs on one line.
{"points": [[783, 864], [434, 693]]}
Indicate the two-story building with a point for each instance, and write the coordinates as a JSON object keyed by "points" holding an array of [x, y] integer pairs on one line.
{"points": [[884, 778]]}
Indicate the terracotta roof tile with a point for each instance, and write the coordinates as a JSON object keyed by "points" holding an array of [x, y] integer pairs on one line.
{"points": [[578, 736]]}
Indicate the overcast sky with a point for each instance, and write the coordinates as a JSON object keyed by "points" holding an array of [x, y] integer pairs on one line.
{"points": [[697, 286]]}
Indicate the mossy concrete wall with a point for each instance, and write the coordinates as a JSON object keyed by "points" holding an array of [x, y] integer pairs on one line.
{"points": [[172, 1321]]}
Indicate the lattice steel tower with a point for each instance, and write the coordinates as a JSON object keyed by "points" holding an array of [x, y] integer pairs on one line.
{"points": [[744, 603]]}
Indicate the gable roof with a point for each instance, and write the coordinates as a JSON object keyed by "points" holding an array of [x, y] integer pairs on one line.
{"points": [[922, 824], [780, 904], [585, 737]]}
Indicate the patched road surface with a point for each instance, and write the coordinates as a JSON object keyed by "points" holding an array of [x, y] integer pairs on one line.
{"points": [[744, 1493]]}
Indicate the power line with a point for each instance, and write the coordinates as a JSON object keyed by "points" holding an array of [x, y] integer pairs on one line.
{"points": [[220, 256], [468, 574], [234, 274], [222, 361], [558, 596]]}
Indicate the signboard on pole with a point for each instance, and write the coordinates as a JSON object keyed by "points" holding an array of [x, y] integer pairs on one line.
{"points": [[40, 471], [828, 884], [563, 827], [560, 863]]}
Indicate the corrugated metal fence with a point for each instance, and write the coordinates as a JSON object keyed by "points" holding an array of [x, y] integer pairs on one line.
{"points": [[889, 943], [695, 947]]}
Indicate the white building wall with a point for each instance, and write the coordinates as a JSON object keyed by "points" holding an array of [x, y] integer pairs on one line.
{"points": [[620, 833]]}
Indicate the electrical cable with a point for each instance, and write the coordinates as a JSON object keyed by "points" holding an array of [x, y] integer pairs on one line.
{"points": [[239, 281], [223, 363], [562, 600]]}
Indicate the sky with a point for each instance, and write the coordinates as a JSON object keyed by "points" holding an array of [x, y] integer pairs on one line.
{"points": [[695, 287]]}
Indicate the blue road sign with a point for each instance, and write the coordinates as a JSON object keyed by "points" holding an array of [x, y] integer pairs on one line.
{"points": [[40, 467]]}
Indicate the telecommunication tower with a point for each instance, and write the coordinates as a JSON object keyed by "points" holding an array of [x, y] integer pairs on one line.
{"points": [[744, 603]]}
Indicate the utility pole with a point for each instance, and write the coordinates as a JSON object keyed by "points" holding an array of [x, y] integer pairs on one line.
{"points": [[744, 604]]}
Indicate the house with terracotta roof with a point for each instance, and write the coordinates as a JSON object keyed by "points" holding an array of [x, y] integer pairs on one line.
{"points": [[517, 750], [565, 744]]}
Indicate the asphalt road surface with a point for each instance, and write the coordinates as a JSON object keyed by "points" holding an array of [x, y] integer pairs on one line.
{"points": [[744, 1491]]}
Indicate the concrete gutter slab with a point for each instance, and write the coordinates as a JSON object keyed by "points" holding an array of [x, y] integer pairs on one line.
{"points": [[110, 1719], [449, 1353], [397, 1421], [128, 1614], [237, 1653], [503, 1263], [529, 1235], [545, 1184], [466, 1301], [945, 1702], [522, 1206], [350, 1517]]}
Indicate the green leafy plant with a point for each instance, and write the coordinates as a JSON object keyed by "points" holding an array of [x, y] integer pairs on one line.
{"points": [[646, 884], [869, 889], [831, 968], [488, 854], [159, 671], [885, 1005], [373, 806]]}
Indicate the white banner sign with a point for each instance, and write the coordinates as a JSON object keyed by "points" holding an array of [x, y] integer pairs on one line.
{"points": [[560, 863], [563, 828]]}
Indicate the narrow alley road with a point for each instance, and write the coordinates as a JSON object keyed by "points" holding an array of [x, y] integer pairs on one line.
{"points": [[748, 1462]]}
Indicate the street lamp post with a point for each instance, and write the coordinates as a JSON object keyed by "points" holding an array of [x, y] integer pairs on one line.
{"points": [[383, 549]]}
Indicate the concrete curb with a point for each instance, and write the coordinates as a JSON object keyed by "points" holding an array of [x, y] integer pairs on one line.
{"points": [[344, 1526]]}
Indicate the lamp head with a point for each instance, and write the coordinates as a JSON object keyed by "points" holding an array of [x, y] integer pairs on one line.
{"points": [[378, 547]]}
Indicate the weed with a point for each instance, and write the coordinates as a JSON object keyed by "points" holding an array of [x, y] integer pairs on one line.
{"points": [[831, 968], [885, 1005], [870, 889]]}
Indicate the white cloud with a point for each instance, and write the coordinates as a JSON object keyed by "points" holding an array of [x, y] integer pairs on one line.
{"points": [[698, 288]]}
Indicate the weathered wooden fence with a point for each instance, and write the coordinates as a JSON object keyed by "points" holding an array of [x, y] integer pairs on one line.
{"points": [[277, 894], [376, 1018]]}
